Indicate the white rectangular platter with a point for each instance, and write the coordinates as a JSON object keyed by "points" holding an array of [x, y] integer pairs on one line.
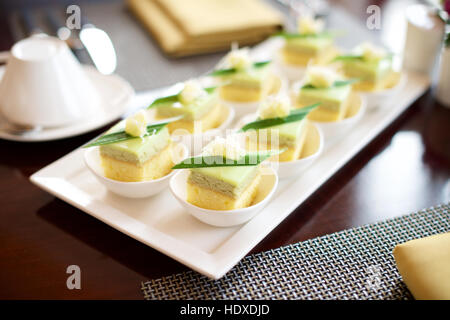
{"points": [[161, 223]]}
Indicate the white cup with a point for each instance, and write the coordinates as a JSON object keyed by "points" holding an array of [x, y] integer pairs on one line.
{"points": [[443, 86], [44, 85], [424, 37]]}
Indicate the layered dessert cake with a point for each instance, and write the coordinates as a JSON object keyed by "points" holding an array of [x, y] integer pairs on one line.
{"points": [[324, 85], [243, 80], [199, 107], [310, 45], [289, 135], [371, 64], [145, 155], [223, 188]]}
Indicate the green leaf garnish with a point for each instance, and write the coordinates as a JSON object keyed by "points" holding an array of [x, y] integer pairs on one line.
{"points": [[353, 57], [337, 83], [289, 35], [295, 115], [120, 136], [173, 98], [223, 72], [250, 159]]}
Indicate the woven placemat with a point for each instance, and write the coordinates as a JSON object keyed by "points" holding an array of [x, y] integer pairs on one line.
{"points": [[351, 264]]}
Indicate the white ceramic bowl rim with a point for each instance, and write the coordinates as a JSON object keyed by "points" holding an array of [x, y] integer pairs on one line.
{"points": [[241, 210]]}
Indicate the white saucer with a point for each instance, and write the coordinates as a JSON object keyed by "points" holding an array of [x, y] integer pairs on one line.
{"points": [[115, 94]]}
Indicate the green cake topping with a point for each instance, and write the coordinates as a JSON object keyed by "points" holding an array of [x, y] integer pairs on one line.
{"points": [[250, 159], [121, 135], [336, 84], [169, 100], [230, 71], [294, 116]]}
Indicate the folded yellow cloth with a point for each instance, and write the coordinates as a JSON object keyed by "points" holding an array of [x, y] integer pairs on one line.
{"points": [[424, 265], [187, 27]]}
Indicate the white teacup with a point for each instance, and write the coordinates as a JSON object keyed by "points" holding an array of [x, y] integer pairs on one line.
{"points": [[44, 85]]}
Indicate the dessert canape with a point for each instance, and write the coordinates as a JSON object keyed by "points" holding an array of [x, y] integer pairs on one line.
{"points": [[310, 45], [224, 177], [372, 65], [324, 85], [133, 151], [199, 107], [278, 127], [243, 80]]}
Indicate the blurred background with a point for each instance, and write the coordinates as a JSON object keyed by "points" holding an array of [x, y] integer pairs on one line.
{"points": [[145, 65]]}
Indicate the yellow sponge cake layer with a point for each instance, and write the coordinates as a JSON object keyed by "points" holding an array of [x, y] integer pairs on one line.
{"points": [[156, 167], [210, 199], [304, 58]]}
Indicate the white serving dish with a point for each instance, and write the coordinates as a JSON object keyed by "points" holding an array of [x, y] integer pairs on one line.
{"points": [[132, 189], [229, 218], [163, 224]]}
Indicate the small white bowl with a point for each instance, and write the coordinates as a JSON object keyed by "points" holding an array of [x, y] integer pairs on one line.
{"points": [[196, 141], [225, 218], [332, 131], [314, 144], [243, 108], [290, 71], [131, 189], [380, 98]]}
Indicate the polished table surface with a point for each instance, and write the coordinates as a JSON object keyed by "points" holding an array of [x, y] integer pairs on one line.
{"points": [[405, 169]]}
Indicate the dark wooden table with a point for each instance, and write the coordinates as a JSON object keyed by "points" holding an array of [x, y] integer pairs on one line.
{"points": [[405, 169]]}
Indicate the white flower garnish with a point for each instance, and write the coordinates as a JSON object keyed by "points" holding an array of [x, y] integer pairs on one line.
{"points": [[321, 77], [224, 147], [239, 59], [192, 90], [274, 107], [371, 52], [309, 25], [136, 125]]}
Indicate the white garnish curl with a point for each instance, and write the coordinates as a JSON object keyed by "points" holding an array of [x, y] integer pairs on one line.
{"points": [[309, 25], [224, 147], [321, 77], [371, 52], [239, 59], [274, 107], [192, 90], [136, 125]]}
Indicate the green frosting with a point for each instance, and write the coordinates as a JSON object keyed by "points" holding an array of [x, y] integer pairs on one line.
{"points": [[309, 44], [333, 95], [253, 77], [137, 150], [287, 133], [368, 70], [230, 181], [192, 111]]}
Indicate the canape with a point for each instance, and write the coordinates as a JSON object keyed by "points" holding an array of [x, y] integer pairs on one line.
{"points": [[225, 185], [372, 65], [134, 159], [278, 127], [243, 80], [198, 107], [324, 85], [310, 45]]}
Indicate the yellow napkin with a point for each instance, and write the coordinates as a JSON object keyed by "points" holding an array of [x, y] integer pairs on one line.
{"points": [[187, 27], [424, 265]]}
